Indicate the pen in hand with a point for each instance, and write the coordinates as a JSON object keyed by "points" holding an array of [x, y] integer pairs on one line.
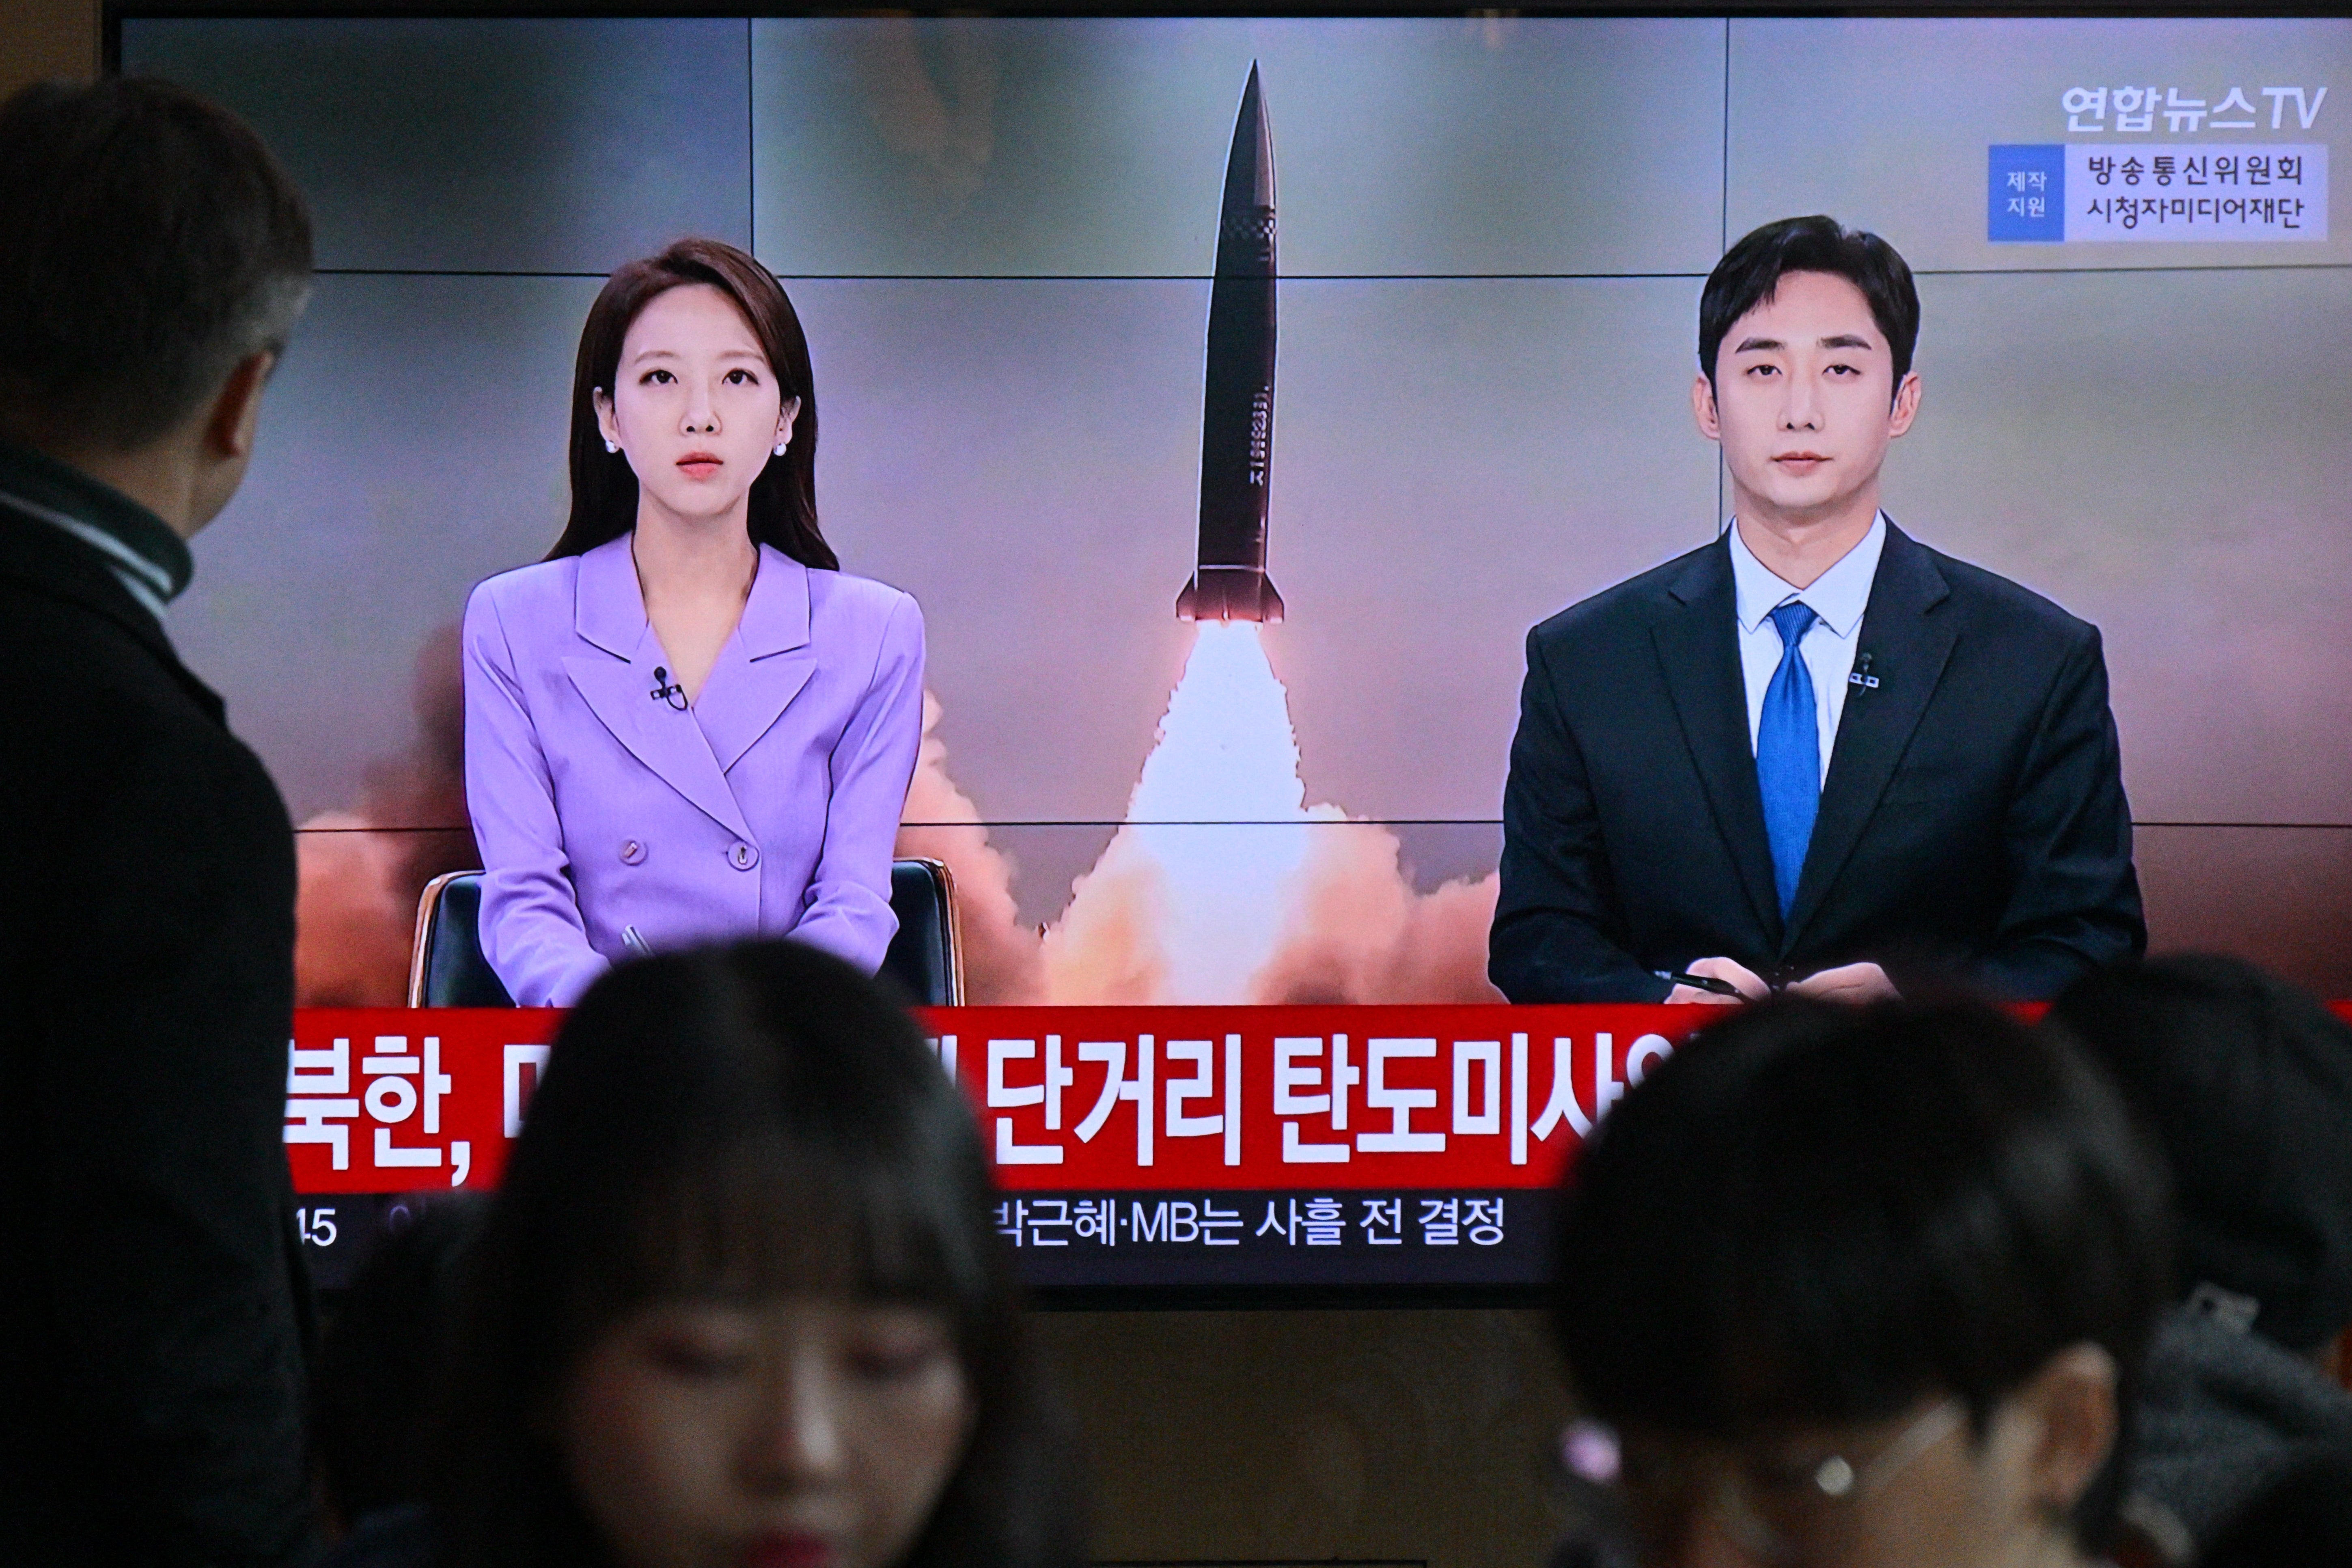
{"points": [[1706, 983]]}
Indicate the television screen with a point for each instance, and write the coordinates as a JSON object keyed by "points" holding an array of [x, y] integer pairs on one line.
{"points": [[1490, 238]]}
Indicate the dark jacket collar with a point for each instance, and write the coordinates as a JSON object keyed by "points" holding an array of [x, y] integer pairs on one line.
{"points": [[1904, 646], [63, 563], [1697, 641], [148, 549]]}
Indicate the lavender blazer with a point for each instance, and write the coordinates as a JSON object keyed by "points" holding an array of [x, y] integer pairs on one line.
{"points": [[770, 806]]}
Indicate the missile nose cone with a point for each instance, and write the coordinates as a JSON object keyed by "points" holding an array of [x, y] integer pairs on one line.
{"points": [[1249, 168]]}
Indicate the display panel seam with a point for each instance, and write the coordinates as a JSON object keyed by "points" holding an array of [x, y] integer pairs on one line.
{"points": [[1051, 277], [2089, 271], [751, 140]]}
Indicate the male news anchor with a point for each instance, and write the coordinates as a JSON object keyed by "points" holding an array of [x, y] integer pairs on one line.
{"points": [[1815, 753]]}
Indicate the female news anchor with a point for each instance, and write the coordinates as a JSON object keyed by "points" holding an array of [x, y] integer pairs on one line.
{"points": [[687, 723]]}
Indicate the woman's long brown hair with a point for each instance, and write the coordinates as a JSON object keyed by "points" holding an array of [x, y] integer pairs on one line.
{"points": [[604, 487]]}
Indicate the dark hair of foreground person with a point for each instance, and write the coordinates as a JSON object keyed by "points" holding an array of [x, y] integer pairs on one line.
{"points": [[154, 243], [741, 1125], [2247, 1082], [1814, 1218], [2245, 1426]]}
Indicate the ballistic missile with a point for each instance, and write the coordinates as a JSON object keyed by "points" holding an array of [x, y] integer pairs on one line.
{"points": [[1229, 580]]}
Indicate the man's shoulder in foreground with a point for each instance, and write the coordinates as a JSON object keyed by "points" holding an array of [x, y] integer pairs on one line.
{"points": [[115, 747], [80, 654], [85, 574], [55, 639]]}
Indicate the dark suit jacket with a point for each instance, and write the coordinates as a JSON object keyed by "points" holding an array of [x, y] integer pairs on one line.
{"points": [[153, 1308], [1973, 817]]}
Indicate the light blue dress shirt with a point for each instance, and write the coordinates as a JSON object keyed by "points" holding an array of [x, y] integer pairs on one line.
{"points": [[1838, 596]]}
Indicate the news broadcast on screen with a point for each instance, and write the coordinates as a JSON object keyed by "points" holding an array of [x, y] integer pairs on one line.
{"points": [[1258, 655]]}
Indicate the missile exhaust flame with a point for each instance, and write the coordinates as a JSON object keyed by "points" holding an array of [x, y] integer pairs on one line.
{"points": [[1221, 808], [1223, 885]]}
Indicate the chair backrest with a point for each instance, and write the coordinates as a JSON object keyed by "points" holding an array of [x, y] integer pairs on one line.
{"points": [[926, 957], [447, 968]]}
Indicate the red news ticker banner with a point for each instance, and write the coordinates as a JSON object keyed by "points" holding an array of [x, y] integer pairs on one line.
{"points": [[1069, 1099]]}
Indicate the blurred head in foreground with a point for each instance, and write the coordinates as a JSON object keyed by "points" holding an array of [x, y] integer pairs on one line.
{"points": [[740, 1301], [153, 258], [2247, 1082], [1864, 1287]]}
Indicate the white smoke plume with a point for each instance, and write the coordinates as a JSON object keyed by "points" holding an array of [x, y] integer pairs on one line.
{"points": [[1107, 949], [351, 927], [1001, 962], [1221, 816], [1355, 930], [1223, 885], [361, 868]]}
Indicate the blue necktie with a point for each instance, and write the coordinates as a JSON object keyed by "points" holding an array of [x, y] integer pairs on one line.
{"points": [[1788, 755]]}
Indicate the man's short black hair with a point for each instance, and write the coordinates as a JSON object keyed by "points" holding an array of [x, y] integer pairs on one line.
{"points": [[2247, 1083], [148, 242], [1815, 1214], [1752, 271]]}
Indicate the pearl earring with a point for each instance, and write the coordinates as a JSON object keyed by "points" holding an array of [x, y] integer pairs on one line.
{"points": [[780, 447], [611, 446]]}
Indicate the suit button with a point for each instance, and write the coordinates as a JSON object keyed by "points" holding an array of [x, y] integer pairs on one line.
{"points": [[632, 851], [742, 857]]}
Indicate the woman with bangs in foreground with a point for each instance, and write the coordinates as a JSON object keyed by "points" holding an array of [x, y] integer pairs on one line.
{"points": [[740, 1302]]}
